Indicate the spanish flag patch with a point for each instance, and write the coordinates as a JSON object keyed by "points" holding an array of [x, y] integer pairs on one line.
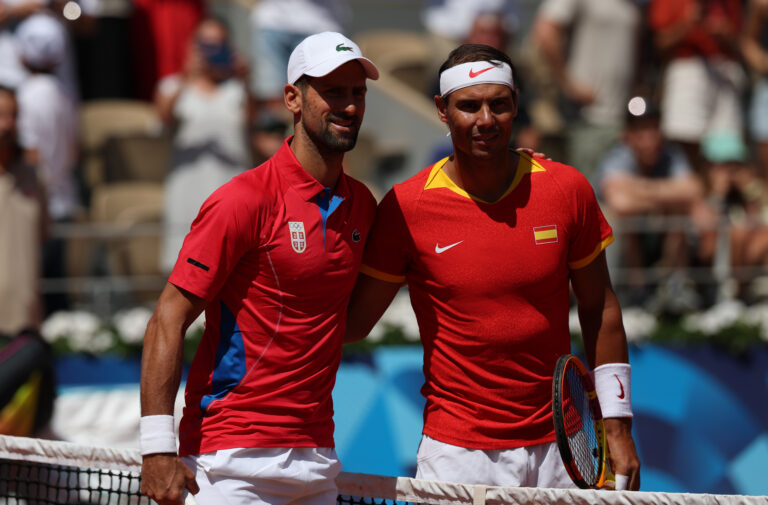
{"points": [[545, 234]]}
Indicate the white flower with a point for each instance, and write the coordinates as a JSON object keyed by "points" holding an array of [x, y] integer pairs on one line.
{"points": [[74, 326], [56, 327], [758, 316], [400, 315], [719, 316], [131, 324], [198, 324], [638, 324]]}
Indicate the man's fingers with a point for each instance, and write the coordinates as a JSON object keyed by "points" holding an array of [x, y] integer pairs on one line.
{"points": [[191, 484]]}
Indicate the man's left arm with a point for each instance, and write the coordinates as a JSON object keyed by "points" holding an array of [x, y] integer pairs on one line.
{"points": [[605, 344]]}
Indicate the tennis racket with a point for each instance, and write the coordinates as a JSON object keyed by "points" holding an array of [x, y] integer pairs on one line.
{"points": [[579, 425]]}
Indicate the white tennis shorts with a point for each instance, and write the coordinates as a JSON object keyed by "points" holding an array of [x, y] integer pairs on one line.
{"points": [[533, 466], [274, 476]]}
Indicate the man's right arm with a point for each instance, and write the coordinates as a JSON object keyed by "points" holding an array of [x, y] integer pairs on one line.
{"points": [[164, 475], [369, 300]]}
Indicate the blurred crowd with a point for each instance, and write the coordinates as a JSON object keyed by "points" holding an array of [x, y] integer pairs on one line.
{"points": [[661, 104]]}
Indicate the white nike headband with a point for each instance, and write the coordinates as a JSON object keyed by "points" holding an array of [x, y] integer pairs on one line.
{"points": [[475, 72]]}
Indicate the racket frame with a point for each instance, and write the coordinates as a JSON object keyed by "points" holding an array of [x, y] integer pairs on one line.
{"points": [[561, 434]]}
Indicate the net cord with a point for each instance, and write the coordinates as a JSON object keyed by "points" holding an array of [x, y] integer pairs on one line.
{"points": [[403, 489]]}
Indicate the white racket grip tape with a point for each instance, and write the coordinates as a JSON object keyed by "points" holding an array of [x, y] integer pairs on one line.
{"points": [[189, 499], [156, 434], [621, 483], [612, 384]]}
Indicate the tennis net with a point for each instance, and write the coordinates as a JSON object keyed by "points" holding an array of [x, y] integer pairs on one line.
{"points": [[41, 472]]}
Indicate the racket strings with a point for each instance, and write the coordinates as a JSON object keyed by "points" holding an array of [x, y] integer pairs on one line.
{"points": [[579, 421]]}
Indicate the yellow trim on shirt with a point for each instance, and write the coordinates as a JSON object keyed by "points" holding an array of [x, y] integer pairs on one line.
{"points": [[439, 179], [378, 274], [575, 265]]}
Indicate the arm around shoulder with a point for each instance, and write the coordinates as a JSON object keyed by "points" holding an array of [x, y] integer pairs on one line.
{"points": [[369, 300]]}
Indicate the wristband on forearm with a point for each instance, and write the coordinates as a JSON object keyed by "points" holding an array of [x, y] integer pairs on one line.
{"points": [[157, 434], [612, 383]]}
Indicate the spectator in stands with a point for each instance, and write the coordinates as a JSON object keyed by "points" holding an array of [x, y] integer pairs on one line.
{"points": [[48, 134], [451, 22], [278, 26], [22, 208], [642, 177], [736, 199], [207, 106], [702, 78], [12, 12], [160, 31], [754, 48], [267, 133], [591, 48]]}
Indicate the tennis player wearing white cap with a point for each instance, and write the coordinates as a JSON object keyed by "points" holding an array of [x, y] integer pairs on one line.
{"points": [[488, 241], [272, 258]]}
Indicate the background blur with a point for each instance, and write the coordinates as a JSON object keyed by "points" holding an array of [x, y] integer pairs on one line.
{"points": [[662, 104]]}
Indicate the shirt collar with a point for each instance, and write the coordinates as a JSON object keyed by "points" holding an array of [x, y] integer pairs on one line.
{"points": [[305, 185]]}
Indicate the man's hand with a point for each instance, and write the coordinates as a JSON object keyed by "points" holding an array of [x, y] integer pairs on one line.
{"points": [[164, 478], [624, 460], [533, 154]]}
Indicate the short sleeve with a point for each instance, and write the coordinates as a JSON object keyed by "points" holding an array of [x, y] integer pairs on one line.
{"points": [[223, 231], [591, 233], [388, 245]]}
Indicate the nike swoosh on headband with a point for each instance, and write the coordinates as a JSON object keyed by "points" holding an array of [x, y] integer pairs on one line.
{"points": [[472, 74]]}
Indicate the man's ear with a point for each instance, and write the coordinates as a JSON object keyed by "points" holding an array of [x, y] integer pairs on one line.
{"points": [[442, 108], [292, 98]]}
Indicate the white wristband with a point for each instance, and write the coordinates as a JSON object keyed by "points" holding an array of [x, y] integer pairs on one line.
{"points": [[157, 434], [612, 383], [621, 482]]}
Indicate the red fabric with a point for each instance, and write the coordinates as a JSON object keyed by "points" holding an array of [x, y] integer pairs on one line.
{"points": [[665, 14], [264, 371], [489, 284], [161, 32]]}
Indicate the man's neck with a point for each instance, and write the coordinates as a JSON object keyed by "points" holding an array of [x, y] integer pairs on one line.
{"points": [[486, 179], [324, 166]]}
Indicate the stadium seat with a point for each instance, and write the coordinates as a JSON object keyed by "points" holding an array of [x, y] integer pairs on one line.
{"points": [[101, 120], [405, 55]]}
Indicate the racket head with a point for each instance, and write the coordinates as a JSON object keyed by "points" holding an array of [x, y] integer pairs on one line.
{"points": [[579, 427]]}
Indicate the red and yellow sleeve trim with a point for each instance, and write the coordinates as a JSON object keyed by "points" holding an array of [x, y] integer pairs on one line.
{"points": [[439, 179], [382, 276], [575, 265]]}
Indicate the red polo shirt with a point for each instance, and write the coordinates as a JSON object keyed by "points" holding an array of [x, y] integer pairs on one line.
{"points": [[489, 283], [276, 256]]}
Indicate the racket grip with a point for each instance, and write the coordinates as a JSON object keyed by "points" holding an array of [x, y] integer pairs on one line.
{"points": [[189, 499]]}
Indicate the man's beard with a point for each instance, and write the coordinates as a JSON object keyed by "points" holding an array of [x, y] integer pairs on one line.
{"points": [[337, 142]]}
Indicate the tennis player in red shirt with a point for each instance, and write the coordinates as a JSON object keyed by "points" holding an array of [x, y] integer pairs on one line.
{"points": [[488, 241], [272, 258]]}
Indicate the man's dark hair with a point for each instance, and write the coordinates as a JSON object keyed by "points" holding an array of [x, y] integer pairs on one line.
{"points": [[466, 53], [303, 82]]}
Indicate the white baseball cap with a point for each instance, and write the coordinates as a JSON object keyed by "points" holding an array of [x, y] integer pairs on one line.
{"points": [[41, 40], [322, 53]]}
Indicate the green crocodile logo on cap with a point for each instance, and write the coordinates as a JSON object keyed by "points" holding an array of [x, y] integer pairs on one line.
{"points": [[342, 47]]}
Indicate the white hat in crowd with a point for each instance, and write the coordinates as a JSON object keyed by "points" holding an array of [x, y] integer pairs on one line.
{"points": [[41, 41], [322, 53]]}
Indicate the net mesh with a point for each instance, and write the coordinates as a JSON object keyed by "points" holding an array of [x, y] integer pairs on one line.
{"points": [[36, 472]]}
